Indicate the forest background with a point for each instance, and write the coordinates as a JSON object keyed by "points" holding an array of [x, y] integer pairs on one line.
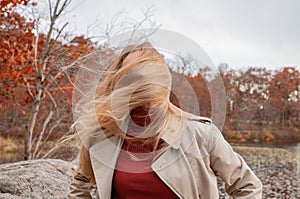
{"points": [[39, 59]]}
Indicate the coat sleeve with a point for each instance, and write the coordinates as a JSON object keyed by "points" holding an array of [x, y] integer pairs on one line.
{"points": [[79, 186], [240, 181]]}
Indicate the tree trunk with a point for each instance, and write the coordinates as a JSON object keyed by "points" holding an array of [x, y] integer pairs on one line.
{"points": [[31, 125]]}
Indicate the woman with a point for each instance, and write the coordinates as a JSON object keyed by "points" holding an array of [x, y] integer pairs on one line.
{"points": [[148, 148]]}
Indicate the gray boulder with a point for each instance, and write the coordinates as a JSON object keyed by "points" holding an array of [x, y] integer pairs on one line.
{"points": [[45, 178]]}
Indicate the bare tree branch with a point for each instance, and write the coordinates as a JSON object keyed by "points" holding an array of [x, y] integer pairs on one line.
{"points": [[29, 91], [52, 99], [61, 143], [61, 30], [41, 134], [47, 138]]}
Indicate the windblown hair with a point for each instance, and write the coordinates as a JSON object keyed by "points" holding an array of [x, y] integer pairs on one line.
{"points": [[144, 81]]}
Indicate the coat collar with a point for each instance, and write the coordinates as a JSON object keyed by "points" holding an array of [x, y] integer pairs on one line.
{"points": [[178, 126], [173, 134], [104, 155]]}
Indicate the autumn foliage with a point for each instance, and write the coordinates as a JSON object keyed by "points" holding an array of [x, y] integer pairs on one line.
{"points": [[37, 74], [38, 70]]}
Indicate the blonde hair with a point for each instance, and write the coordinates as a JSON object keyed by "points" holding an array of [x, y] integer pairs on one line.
{"points": [[146, 80]]}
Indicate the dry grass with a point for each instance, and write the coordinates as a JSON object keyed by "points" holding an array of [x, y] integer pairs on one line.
{"points": [[12, 149]]}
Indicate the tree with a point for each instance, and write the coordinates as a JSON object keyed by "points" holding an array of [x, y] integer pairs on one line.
{"points": [[284, 93], [41, 67]]}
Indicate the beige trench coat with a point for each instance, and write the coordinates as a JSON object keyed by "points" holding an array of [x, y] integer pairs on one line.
{"points": [[189, 167]]}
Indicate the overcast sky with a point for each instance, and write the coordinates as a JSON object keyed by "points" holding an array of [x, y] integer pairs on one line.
{"points": [[238, 32]]}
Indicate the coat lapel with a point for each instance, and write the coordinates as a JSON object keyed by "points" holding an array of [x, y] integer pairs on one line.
{"points": [[104, 155], [174, 170], [172, 166]]}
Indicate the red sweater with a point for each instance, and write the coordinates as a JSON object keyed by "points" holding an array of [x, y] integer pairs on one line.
{"points": [[135, 179]]}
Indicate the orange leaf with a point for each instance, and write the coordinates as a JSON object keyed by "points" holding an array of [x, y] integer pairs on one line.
{"points": [[28, 70]]}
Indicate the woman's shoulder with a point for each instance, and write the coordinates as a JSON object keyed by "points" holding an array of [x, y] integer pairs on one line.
{"points": [[197, 122], [202, 130]]}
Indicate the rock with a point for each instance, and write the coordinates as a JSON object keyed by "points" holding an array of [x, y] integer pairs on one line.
{"points": [[45, 178]]}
